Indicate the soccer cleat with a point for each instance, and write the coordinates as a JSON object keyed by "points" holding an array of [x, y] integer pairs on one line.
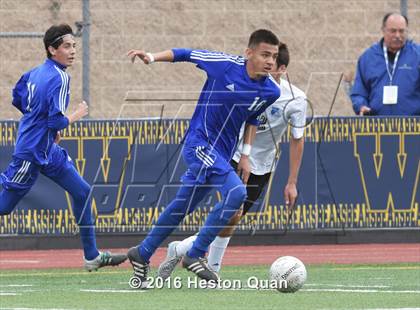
{"points": [[140, 267], [200, 267], [172, 259], [104, 259]]}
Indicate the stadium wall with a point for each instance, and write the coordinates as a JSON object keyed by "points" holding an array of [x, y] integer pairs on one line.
{"points": [[356, 174], [325, 38]]}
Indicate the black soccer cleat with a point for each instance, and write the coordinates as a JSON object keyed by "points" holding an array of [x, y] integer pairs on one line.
{"points": [[104, 259], [140, 267], [200, 267]]}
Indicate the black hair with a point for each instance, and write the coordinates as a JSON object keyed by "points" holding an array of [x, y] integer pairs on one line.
{"points": [[387, 15], [54, 36], [283, 56], [262, 36]]}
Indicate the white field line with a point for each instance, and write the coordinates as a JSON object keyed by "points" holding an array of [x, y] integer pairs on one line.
{"points": [[378, 267], [360, 291], [348, 285], [16, 285], [112, 291]]}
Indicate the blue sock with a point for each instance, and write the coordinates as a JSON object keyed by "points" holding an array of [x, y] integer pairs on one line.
{"points": [[87, 235], [234, 194], [165, 225], [186, 200], [79, 189]]}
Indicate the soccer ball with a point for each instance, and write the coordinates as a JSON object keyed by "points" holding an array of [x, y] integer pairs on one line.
{"points": [[289, 273]]}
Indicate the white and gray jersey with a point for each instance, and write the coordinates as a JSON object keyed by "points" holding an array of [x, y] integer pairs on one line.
{"points": [[290, 107]]}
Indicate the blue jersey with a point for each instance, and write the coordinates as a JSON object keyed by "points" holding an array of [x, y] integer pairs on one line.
{"points": [[228, 99], [42, 95]]}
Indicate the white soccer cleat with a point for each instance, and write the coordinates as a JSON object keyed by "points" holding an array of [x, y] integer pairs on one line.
{"points": [[172, 259]]}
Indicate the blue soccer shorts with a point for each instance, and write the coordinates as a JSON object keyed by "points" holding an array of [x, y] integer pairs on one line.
{"points": [[203, 161], [21, 174]]}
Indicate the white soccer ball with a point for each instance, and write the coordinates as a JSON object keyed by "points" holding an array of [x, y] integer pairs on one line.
{"points": [[289, 273]]}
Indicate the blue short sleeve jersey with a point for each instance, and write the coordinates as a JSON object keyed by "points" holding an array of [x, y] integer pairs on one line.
{"points": [[228, 99], [42, 95]]}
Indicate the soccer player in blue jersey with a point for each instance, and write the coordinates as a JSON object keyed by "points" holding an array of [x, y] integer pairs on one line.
{"points": [[289, 108], [42, 95], [237, 90]]}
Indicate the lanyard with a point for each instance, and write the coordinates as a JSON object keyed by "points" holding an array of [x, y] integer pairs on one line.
{"points": [[390, 74]]}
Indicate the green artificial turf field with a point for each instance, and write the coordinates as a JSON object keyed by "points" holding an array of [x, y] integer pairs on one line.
{"points": [[328, 287]]}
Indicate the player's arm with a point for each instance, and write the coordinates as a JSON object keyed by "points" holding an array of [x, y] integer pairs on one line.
{"points": [[60, 121], [296, 116], [148, 58], [296, 153], [211, 62], [244, 167], [20, 93], [59, 97]]}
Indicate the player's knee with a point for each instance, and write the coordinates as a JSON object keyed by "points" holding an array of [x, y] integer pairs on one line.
{"points": [[236, 196]]}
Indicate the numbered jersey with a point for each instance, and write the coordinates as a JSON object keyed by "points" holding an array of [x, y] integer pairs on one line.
{"points": [[41, 94], [290, 108], [228, 99]]}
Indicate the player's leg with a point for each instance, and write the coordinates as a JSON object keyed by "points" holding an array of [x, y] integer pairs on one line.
{"points": [[8, 200], [187, 198], [233, 193], [255, 187], [177, 249], [189, 194], [62, 171], [16, 181]]}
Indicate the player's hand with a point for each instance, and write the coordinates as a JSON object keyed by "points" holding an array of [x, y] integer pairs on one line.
{"points": [[82, 109], [57, 138], [140, 54], [290, 195], [244, 169], [364, 110]]}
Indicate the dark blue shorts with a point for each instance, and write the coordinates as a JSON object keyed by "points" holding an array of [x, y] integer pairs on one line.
{"points": [[203, 161], [21, 174]]}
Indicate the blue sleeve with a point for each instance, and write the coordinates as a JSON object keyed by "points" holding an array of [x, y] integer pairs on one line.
{"points": [[58, 100], [254, 118], [20, 92], [58, 122], [211, 62], [360, 92]]}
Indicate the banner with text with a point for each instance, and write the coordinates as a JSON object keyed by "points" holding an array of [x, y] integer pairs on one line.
{"points": [[355, 173]]}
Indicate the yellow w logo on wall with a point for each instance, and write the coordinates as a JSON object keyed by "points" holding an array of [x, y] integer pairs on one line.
{"points": [[101, 161], [389, 166]]}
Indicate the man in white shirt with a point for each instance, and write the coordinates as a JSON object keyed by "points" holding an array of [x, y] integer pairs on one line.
{"points": [[290, 108]]}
